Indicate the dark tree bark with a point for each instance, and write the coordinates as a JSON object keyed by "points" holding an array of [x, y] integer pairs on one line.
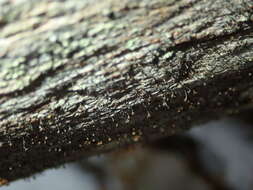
{"points": [[87, 76]]}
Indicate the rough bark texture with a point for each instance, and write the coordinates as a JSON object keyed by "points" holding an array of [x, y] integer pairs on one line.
{"points": [[86, 76]]}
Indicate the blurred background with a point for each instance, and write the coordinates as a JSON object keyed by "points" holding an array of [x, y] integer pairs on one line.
{"points": [[214, 156]]}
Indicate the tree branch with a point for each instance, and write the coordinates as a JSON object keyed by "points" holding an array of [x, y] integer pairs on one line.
{"points": [[87, 76]]}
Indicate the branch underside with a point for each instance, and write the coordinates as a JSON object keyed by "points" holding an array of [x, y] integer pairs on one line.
{"points": [[85, 77]]}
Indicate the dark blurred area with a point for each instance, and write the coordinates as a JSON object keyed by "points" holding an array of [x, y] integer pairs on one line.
{"points": [[214, 156]]}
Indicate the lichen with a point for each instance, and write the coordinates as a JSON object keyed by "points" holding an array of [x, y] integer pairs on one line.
{"points": [[76, 80]]}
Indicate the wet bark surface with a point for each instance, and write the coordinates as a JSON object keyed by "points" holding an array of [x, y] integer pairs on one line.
{"points": [[83, 77]]}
